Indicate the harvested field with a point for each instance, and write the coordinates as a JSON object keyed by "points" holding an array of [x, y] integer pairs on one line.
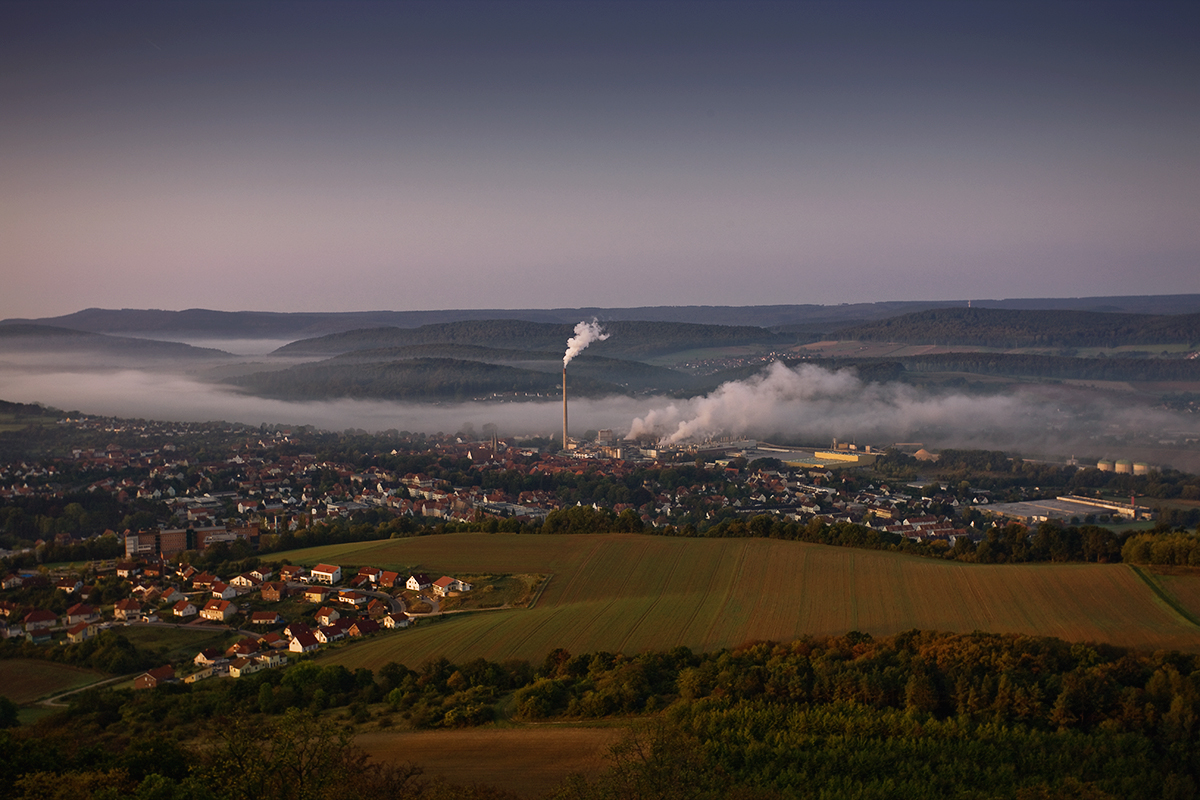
{"points": [[626, 592], [1182, 585], [24, 680], [528, 761]]}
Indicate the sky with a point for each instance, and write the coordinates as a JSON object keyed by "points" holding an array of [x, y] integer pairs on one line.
{"points": [[415, 155]]}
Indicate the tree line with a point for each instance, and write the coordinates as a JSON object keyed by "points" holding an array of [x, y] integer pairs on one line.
{"points": [[918, 714]]}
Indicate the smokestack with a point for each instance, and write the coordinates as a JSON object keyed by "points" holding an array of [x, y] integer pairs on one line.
{"points": [[564, 441]]}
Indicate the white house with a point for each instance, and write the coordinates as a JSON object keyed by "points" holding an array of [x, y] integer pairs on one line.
{"points": [[327, 573]]}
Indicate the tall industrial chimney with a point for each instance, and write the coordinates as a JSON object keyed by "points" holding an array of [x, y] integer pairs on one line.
{"points": [[564, 441]]}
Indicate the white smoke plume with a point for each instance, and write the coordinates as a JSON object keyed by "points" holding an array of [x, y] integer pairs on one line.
{"points": [[811, 403], [585, 334]]}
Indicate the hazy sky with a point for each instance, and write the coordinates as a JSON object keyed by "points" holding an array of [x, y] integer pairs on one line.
{"points": [[406, 155]]}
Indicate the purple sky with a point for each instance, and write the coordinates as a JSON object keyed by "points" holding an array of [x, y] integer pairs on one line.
{"points": [[405, 155]]}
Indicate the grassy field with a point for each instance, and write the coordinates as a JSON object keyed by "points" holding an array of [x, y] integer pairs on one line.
{"points": [[24, 680], [529, 761], [630, 593], [1182, 586], [177, 644]]}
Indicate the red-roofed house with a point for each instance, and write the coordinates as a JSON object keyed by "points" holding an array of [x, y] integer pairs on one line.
{"points": [[218, 610], [154, 678], [327, 573]]}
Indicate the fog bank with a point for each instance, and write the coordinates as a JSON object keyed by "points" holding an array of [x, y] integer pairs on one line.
{"points": [[807, 405]]}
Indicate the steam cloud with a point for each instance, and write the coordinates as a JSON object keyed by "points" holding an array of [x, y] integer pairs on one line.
{"points": [[810, 403], [585, 334], [803, 405]]}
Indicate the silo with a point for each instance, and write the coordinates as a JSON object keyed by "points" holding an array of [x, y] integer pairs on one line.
{"points": [[1140, 468], [1104, 465], [1124, 466]]}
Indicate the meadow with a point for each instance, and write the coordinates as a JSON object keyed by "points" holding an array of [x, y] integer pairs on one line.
{"points": [[630, 593], [24, 680], [530, 761]]}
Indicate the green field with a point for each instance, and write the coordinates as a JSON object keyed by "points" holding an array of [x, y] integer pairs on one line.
{"points": [[24, 680], [625, 592], [174, 644]]}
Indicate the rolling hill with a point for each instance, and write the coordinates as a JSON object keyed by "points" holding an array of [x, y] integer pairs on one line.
{"points": [[413, 379], [628, 339], [627, 592], [1007, 328], [23, 338]]}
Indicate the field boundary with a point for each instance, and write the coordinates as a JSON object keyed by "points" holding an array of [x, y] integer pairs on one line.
{"points": [[1162, 594], [533, 601]]}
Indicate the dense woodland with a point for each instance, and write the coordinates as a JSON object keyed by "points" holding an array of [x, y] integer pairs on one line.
{"points": [[919, 714], [1008, 328], [629, 339], [418, 378]]}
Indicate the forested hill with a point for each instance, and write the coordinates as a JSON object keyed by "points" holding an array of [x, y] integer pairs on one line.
{"points": [[635, 375], [29, 338], [414, 379], [629, 339], [1034, 366], [993, 327]]}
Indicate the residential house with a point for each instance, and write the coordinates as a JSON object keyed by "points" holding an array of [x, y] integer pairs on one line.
{"points": [[260, 574], [376, 608], [364, 627], [445, 585], [208, 657], [417, 582], [294, 629], [272, 659], [69, 584], [265, 618], [395, 621], [171, 594], [273, 592], [372, 573], [80, 612], [326, 615], [218, 610], [292, 572], [154, 678], [127, 569], [202, 581], [245, 666], [274, 640], [304, 643], [243, 647], [81, 632], [128, 609], [316, 594], [330, 633], [223, 590], [207, 672], [327, 573], [356, 599], [246, 581], [387, 580], [184, 609], [11, 581]]}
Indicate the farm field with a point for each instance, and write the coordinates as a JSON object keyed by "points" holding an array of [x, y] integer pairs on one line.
{"points": [[24, 680], [529, 761], [629, 593], [1182, 584]]}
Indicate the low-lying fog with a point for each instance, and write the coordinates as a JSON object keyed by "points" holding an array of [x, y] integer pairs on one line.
{"points": [[806, 405]]}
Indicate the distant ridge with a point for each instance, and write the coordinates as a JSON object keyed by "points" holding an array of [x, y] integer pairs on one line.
{"points": [[993, 327], [630, 339], [32, 338], [210, 324]]}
